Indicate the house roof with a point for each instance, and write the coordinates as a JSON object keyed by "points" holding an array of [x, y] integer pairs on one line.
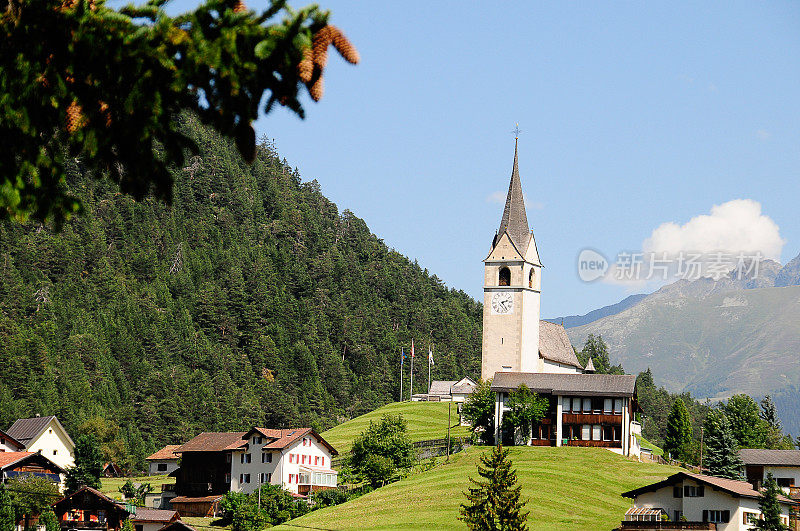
{"points": [[554, 345], [441, 387], [12, 440], [168, 452], [93, 492], [465, 385], [146, 514], [214, 441], [9, 459], [515, 219], [285, 437], [755, 456], [733, 487], [196, 499], [567, 384], [177, 525], [28, 430]]}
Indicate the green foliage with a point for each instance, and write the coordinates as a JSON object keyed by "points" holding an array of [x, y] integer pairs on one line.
{"points": [[382, 451], [106, 85], [7, 520], [526, 408], [277, 505], [774, 436], [127, 525], [722, 453], [494, 504], [31, 495], [770, 519], [678, 439], [252, 300], [49, 520], [327, 498], [478, 409], [748, 428], [88, 465], [137, 494], [597, 350]]}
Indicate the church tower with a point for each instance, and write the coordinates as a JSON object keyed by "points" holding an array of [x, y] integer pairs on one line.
{"points": [[511, 291]]}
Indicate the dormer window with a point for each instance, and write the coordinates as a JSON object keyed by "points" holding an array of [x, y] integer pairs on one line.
{"points": [[504, 277]]}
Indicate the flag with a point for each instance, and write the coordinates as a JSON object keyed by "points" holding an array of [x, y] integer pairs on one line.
{"points": [[430, 356], [402, 356], [412, 348]]}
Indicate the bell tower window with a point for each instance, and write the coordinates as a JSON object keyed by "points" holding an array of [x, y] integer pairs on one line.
{"points": [[530, 279], [504, 278]]}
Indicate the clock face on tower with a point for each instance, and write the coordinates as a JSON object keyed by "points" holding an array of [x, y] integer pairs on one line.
{"points": [[502, 302]]}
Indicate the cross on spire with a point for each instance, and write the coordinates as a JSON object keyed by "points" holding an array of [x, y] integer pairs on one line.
{"points": [[516, 131]]}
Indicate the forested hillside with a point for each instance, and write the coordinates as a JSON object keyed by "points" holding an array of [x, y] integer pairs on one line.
{"points": [[251, 300]]}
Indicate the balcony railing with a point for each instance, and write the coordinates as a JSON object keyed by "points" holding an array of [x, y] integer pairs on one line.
{"points": [[82, 524], [669, 525]]}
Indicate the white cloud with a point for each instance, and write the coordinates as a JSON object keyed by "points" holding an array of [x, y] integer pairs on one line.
{"points": [[499, 198], [763, 135], [735, 226]]}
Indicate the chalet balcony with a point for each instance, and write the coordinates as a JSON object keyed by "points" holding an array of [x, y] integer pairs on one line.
{"points": [[595, 444], [667, 526], [592, 418], [67, 525]]}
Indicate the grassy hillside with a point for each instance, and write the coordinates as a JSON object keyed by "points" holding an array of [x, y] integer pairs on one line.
{"points": [[110, 486], [426, 420], [566, 488]]}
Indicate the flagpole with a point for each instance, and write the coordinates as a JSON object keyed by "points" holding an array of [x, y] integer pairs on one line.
{"points": [[429, 369], [411, 385], [402, 360]]}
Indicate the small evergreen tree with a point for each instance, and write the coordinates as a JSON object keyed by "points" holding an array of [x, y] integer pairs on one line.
{"points": [[479, 410], [748, 427], [770, 519], [6, 511], [382, 450], [494, 504], [722, 454], [678, 439], [88, 465]]}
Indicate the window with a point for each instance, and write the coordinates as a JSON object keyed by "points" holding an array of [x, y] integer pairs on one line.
{"points": [[718, 517], [504, 278], [618, 406], [587, 405], [246, 458], [227, 477], [607, 405], [55, 452], [784, 482], [596, 432], [303, 458], [291, 458], [227, 458], [247, 478], [266, 457], [258, 440], [138, 527], [678, 515], [323, 460], [677, 492], [586, 432], [617, 430], [265, 478], [316, 460], [608, 433], [690, 491], [530, 279], [162, 467], [749, 518]]}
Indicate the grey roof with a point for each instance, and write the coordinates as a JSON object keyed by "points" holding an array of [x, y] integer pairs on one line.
{"points": [[554, 345], [515, 219], [441, 387], [467, 386], [755, 456], [26, 430], [567, 384]]}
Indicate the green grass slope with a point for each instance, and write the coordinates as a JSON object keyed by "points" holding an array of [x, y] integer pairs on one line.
{"points": [[566, 488], [426, 420], [110, 486]]}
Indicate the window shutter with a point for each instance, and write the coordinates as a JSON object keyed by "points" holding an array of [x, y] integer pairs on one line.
{"points": [[705, 516], [701, 491], [726, 516], [676, 491], [686, 490]]}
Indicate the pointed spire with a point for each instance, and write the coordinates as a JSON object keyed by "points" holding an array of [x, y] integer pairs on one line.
{"points": [[515, 219], [589, 366]]}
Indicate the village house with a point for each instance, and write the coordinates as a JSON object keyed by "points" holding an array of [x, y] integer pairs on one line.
{"points": [[164, 461], [47, 436], [147, 519], [88, 509], [9, 443], [784, 465], [214, 463], [694, 501], [452, 390], [518, 348], [15, 464]]}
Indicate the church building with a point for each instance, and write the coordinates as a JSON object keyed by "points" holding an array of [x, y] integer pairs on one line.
{"points": [[586, 409]]}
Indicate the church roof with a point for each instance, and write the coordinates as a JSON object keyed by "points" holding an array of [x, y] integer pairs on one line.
{"points": [[554, 345], [515, 219]]}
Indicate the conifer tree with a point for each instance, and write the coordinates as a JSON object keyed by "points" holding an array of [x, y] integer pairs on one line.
{"points": [[770, 519], [722, 454], [678, 439], [6, 511], [495, 504], [88, 465]]}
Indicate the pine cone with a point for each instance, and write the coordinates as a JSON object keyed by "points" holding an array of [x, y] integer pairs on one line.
{"points": [[319, 45], [240, 7], [344, 46], [75, 118], [317, 89], [305, 69]]}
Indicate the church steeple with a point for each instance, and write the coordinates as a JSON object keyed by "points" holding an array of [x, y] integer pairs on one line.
{"points": [[515, 219]]}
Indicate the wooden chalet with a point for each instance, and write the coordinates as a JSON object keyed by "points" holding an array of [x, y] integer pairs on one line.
{"points": [[89, 510], [14, 464]]}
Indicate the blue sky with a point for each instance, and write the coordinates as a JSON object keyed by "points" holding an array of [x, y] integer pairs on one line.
{"points": [[632, 115]]}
